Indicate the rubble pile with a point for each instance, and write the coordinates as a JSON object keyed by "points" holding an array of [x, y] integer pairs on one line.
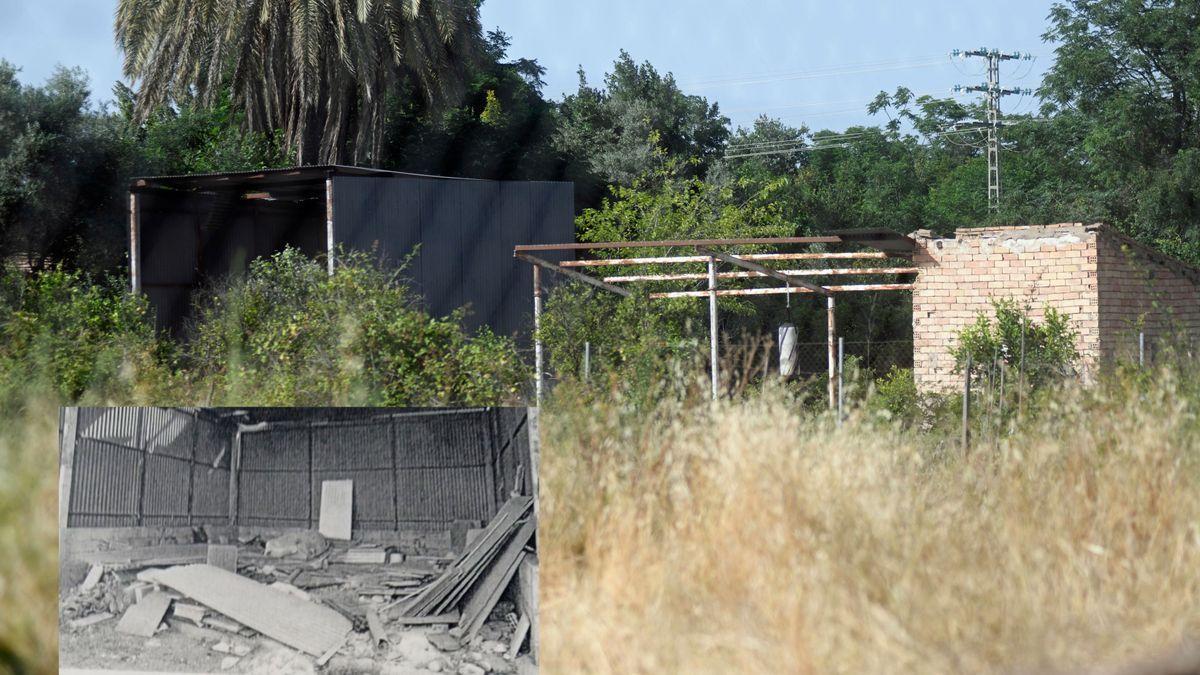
{"points": [[302, 603]]}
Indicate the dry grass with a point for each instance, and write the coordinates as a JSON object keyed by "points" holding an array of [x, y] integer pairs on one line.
{"points": [[747, 538], [752, 537], [29, 541]]}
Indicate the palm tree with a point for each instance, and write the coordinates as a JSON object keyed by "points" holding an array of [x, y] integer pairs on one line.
{"points": [[318, 71]]}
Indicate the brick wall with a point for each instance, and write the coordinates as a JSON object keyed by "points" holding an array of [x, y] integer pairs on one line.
{"points": [[1050, 265], [1143, 290]]}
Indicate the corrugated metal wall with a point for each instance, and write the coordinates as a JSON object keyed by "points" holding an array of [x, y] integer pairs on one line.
{"points": [[148, 466], [411, 470], [466, 230], [187, 238]]}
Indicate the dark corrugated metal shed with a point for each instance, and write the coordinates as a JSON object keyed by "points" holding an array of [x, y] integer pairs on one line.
{"points": [[190, 229]]}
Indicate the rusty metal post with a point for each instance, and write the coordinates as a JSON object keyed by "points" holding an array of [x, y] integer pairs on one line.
{"points": [[712, 323], [135, 243], [537, 333], [831, 325]]}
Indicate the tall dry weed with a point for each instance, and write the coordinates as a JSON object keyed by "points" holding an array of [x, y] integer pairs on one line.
{"points": [[748, 537]]}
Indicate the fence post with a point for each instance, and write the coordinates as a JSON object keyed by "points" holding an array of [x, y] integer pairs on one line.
{"points": [[1142, 349], [587, 361], [840, 381], [712, 322], [966, 406], [537, 333], [831, 327], [1021, 371]]}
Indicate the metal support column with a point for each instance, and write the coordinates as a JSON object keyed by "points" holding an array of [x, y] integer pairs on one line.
{"points": [[135, 243], [712, 323], [831, 326], [537, 333], [329, 239]]}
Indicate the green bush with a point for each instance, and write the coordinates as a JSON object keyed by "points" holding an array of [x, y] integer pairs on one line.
{"points": [[1043, 352], [896, 396], [72, 333], [289, 333]]}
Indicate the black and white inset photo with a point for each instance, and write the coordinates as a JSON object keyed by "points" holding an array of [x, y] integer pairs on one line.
{"points": [[293, 540]]}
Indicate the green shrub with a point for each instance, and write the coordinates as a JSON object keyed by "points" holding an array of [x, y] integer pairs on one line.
{"points": [[72, 333], [1043, 352], [896, 396], [289, 333]]}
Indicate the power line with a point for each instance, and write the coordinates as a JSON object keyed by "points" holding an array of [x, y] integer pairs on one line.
{"points": [[992, 90], [828, 71]]}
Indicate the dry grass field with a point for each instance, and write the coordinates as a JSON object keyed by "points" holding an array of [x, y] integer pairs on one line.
{"points": [[752, 537], [747, 538]]}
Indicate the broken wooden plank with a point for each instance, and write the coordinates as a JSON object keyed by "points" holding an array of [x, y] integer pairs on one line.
{"points": [[306, 626], [92, 578], [362, 556], [145, 554], [448, 618], [224, 556], [445, 591], [337, 500], [193, 613], [143, 618], [89, 620], [518, 637], [379, 637]]}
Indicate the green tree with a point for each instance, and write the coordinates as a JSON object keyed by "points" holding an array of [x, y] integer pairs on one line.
{"points": [[632, 126], [1128, 72], [318, 71], [62, 167], [501, 129]]}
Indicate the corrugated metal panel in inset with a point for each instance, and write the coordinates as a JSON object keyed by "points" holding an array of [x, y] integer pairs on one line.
{"points": [[212, 442], [210, 493], [443, 494], [168, 432], [166, 487], [352, 446], [441, 441], [114, 425], [105, 483], [275, 449], [273, 496]]}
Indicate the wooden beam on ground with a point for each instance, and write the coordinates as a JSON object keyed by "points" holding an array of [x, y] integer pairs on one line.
{"points": [[850, 288], [774, 274], [665, 260], [752, 241], [578, 276], [686, 276]]}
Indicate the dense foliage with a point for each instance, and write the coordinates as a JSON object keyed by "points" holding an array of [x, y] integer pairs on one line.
{"points": [[292, 334]]}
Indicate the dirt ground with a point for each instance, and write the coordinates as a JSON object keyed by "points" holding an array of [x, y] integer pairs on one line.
{"points": [[101, 646], [179, 649]]}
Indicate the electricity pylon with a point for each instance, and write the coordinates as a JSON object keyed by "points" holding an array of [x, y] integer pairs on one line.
{"points": [[994, 92]]}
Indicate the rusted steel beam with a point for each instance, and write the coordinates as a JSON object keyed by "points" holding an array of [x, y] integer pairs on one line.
{"points": [[578, 276], [684, 276], [765, 241], [848, 288], [662, 260], [774, 274]]}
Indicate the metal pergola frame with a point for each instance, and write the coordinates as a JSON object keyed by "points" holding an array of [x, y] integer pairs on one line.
{"points": [[887, 244]]}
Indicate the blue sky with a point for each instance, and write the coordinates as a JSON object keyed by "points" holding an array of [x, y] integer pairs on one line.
{"points": [[804, 61]]}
